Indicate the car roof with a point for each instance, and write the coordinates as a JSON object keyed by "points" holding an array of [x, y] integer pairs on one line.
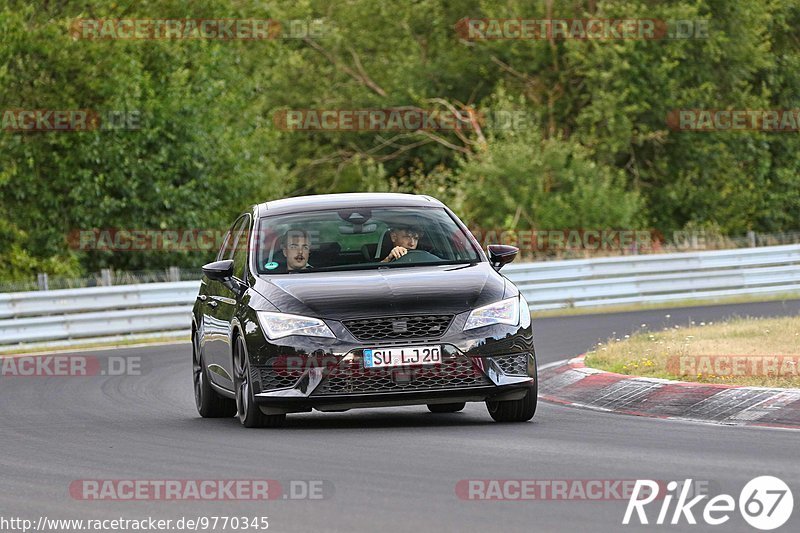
{"points": [[344, 200]]}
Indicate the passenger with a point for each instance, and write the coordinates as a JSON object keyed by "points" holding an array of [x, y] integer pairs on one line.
{"points": [[296, 247], [403, 239]]}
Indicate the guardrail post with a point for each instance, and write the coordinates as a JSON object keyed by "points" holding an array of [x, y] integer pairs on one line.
{"points": [[42, 281], [105, 277], [751, 239], [174, 273]]}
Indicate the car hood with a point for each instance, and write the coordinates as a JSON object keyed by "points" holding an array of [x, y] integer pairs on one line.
{"points": [[353, 294]]}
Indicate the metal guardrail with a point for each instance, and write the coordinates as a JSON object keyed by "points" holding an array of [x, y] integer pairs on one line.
{"points": [[658, 278], [67, 301], [69, 314]]}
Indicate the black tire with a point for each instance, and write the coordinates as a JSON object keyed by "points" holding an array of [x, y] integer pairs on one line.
{"points": [[248, 412], [515, 410], [208, 402], [446, 407]]}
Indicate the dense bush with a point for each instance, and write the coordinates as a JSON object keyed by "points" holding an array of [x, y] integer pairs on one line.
{"points": [[597, 152]]}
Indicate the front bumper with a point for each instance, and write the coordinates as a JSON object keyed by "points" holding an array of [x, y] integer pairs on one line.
{"points": [[344, 383], [303, 373]]}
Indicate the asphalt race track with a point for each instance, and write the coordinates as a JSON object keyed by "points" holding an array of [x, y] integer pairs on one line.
{"points": [[389, 469]]}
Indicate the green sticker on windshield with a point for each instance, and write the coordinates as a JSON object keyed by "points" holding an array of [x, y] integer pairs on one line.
{"points": [[272, 265]]}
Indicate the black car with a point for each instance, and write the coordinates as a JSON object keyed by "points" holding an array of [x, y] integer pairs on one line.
{"points": [[341, 301]]}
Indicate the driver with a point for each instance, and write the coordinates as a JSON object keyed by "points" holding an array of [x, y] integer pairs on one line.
{"points": [[296, 247], [403, 239]]}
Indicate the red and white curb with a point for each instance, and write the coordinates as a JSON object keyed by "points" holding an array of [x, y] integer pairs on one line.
{"points": [[572, 383]]}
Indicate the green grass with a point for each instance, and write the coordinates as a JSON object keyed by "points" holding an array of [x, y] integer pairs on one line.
{"points": [[659, 354]]}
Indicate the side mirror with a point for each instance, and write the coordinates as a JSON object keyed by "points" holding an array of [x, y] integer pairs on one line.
{"points": [[221, 271], [501, 254]]}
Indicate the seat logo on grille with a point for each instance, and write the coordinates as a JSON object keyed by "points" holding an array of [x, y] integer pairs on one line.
{"points": [[400, 326]]}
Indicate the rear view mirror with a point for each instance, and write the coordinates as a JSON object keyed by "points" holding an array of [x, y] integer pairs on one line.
{"points": [[501, 254], [357, 229]]}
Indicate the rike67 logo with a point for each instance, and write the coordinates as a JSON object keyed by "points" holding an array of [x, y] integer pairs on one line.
{"points": [[766, 503]]}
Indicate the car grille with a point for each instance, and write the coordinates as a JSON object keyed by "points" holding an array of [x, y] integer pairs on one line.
{"points": [[382, 328], [513, 365], [453, 374]]}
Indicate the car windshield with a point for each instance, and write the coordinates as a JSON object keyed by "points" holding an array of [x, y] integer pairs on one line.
{"points": [[360, 238]]}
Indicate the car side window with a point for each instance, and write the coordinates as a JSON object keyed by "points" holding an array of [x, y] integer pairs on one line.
{"points": [[241, 238]]}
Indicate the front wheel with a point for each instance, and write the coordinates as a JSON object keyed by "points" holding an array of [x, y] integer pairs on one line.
{"points": [[249, 414], [520, 410], [209, 403]]}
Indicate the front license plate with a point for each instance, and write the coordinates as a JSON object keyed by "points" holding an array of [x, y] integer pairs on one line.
{"points": [[406, 356]]}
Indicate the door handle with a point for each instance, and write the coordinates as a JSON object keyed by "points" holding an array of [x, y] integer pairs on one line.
{"points": [[202, 297]]}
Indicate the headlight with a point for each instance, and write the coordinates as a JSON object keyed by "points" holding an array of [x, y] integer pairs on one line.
{"points": [[502, 312], [277, 325]]}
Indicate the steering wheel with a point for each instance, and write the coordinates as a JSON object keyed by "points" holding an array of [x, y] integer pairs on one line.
{"points": [[417, 256]]}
